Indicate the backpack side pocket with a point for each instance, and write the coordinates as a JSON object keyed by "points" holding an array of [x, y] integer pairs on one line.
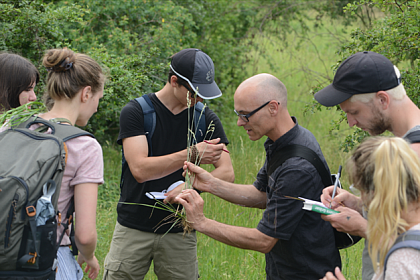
{"points": [[46, 236]]}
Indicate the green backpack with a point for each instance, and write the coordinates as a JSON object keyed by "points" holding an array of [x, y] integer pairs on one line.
{"points": [[31, 164]]}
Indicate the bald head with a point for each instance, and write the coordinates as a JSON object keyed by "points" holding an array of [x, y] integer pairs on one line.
{"points": [[261, 106], [262, 88]]}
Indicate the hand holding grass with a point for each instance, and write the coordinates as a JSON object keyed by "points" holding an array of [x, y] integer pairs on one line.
{"points": [[193, 205], [210, 151], [208, 142], [170, 196], [199, 178]]}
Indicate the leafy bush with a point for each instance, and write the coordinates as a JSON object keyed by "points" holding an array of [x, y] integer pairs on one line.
{"points": [[129, 76], [29, 28], [396, 36], [134, 40]]}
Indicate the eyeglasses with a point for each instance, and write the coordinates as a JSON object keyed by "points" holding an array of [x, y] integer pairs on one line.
{"points": [[245, 118]]}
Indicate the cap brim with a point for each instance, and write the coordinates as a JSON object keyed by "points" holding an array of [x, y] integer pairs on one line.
{"points": [[329, 96], [208, 91]]}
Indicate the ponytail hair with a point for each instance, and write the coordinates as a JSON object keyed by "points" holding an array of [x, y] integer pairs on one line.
{"points": [[69, 72], [387, 172]]}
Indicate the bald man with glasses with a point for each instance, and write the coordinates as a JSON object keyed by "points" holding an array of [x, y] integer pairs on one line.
{"points": [[297, 244]]}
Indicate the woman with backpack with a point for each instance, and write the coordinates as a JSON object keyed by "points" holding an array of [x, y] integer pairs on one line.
{"points": [[18, 78], [387, 173], [75, 83]]}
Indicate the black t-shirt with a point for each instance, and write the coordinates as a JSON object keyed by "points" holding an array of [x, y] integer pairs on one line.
{"points": [[306, 246], [170, 136]]}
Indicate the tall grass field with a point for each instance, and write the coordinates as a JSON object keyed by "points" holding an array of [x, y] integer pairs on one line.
{"points": [[300, 69]]}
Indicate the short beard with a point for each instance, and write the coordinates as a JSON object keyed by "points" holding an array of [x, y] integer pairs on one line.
{"points": [[379, 124]]}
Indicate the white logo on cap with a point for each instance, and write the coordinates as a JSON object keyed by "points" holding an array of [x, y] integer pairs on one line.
{"points": [[209, 76]]}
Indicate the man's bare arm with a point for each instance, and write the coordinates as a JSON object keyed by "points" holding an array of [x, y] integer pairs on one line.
{"points": [[223, 170], [240, 237], [244, 195], [146, 168]]}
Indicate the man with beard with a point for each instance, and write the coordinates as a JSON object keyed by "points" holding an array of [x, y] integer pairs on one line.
{"points": [[368, 88]]}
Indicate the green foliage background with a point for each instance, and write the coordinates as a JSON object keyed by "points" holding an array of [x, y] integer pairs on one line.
{"points": [[301, 42], [134, 39], [396, 35]]}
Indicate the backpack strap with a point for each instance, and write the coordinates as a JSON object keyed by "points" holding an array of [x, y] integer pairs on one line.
{"points": [[295, 150], [61, 120], [149, 118], [413, 137], [149, 114], [62, 131], [342, 239], [70, 221], [409, 239], [31, 257]]}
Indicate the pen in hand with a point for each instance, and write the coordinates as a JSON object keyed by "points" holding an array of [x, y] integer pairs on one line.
{"points": [[337, 178], [224, 150]]}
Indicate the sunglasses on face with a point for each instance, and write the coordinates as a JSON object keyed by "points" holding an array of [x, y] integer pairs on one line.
{"points": [[245, 118]]}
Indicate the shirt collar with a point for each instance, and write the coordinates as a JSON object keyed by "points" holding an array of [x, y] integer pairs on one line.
{"points": [[284, 140]]}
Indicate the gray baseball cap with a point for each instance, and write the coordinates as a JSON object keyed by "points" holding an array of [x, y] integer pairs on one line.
{"points": [[197, 68]]}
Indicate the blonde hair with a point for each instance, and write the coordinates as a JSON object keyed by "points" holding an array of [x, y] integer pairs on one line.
{"points": [[396, 93], [387, 172], [69, 72]]}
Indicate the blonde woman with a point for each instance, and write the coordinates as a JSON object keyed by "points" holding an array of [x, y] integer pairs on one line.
{"points": [[387, 173], [75, 83]]}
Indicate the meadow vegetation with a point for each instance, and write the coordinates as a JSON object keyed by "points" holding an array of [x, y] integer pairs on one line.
{"points": [[298, 68]]}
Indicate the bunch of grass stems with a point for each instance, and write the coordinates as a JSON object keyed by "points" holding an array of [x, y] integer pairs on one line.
{"points": [[22, 113], [177, 216]]}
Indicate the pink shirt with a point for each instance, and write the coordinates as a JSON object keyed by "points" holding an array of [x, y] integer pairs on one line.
{"points": [[84, 165]]}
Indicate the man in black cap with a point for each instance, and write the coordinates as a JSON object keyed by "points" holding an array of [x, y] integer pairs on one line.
{"points": [[143, 233], [368, 88]]}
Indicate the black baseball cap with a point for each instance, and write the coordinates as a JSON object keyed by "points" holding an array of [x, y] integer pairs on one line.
{"points": [[363, 72], [197, 68]]}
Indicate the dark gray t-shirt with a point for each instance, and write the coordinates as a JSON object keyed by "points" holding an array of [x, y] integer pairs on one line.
{"points": [[306, 247]]}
